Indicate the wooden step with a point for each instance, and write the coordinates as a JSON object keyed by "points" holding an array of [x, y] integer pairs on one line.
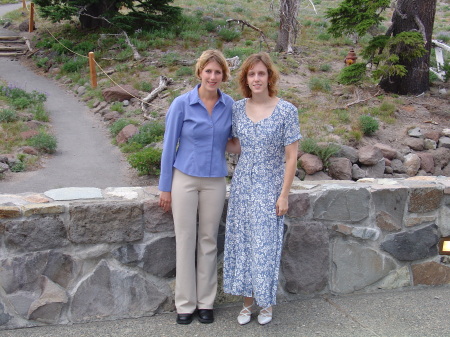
{"points": [[10, 38]]}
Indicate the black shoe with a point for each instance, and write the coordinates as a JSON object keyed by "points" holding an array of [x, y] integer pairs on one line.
{"points": [[184, 318], [205, 315]]}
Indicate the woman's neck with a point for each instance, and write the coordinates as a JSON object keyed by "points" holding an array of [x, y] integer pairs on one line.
{"points": [[206, 95], [262, 98]]}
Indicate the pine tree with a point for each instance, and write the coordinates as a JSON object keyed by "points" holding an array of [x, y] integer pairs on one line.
{"points": [[140, 14]]}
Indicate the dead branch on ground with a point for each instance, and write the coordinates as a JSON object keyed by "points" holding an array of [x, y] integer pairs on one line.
{"points": [[245, 23], [164, 82], [359, 100]]}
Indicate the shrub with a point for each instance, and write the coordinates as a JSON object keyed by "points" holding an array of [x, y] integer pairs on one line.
{"points": [[120, 124], [147, 161], [18, 167], [368, 124], [149, 133], [131, 147], [74, 65], [39, 113], [319, 84], [184, 71], [117, 106], [7, 115], [229, 35], [309, 145], [43, 142]]}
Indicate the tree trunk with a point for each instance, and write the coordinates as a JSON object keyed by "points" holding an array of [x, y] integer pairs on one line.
{"points": [[90, 16], [413, 15], [288, 25]]}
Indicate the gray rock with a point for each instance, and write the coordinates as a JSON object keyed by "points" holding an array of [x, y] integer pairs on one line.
{"points": [[416, 144], [299, 204], [159, 257], [388, 152], [128, 254], [397, 166], [415, 245], [376, 170], [357, 266], [4, 167], [349, 153], [357, 172], [305, 258], [36, 234], [340, 168], [429, 144], [97, 223], [22, 272], [412, 164], [155, 219], [416, 133], [333, 205], [390, 207], [370, 155], [47, 308], [444, 142], [114, 292], [4, 316]]}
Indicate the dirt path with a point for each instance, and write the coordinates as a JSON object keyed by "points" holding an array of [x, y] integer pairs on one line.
{"points": [[85, 156]]}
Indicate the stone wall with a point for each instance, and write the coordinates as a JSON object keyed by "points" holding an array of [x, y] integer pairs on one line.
{"points": [[82, 254]]}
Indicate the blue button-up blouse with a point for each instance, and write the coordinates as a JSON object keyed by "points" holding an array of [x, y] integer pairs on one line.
{"points": [[194, 141]]}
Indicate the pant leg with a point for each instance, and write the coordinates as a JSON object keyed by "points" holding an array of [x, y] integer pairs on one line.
{"points": [[211, 203], [184, 210]]}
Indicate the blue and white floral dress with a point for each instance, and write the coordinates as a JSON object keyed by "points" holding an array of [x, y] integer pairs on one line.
{"points": [[254, 233]]}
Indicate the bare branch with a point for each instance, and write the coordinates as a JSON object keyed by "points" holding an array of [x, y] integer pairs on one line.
{"points": [[164, 82], [245, 23], [358, 100]]}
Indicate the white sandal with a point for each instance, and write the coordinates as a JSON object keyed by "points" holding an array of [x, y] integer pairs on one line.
{"points": [[245, 315], [265, 316]]}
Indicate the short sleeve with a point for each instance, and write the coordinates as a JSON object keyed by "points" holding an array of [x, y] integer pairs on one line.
{"points": [[291, 125]]}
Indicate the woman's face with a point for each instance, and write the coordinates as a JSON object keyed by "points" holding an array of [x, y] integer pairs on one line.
{"points": [[211, 76], [258, 78]]}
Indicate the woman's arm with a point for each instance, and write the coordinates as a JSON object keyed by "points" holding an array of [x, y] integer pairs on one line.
{"points": [[233, 146], [291, 150]]}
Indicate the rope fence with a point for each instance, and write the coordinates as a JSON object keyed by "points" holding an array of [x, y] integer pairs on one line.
{"points": [[91, 57]]}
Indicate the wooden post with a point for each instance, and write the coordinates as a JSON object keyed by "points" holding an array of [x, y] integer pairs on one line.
{"points": [[31, 23], [92, 70], [24, 4]]}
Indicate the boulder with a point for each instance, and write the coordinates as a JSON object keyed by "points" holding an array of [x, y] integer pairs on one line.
{"points": [[369, 155], [126, 133], [119, 93], [388, 152], [426, 162], [340, 168], [311, 163]]}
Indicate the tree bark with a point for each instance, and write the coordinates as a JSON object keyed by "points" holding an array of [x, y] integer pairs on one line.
{"points": [[288, 25], [413, 15]]}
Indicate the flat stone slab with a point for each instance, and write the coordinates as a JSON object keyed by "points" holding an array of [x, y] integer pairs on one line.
{"points": [[74, 193]]}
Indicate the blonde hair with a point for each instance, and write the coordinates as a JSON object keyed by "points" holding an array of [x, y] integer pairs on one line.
{"points": [[212, 55], [272, 71]]}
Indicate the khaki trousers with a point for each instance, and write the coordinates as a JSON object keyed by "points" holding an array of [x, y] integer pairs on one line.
{"points": [[196, 281]]}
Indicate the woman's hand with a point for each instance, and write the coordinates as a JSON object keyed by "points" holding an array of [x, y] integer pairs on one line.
{"points": [[282, 206], [165, 201]]}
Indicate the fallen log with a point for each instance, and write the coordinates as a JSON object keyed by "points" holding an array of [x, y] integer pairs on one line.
{"points": [[164, 82]]}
